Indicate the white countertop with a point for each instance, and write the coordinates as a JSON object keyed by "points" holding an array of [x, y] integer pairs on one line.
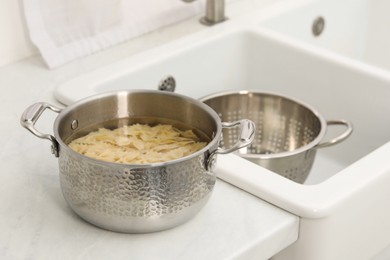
{"points": [[36, 223]]}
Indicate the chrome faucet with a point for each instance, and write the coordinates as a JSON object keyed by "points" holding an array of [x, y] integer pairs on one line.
{"points": [[215, 12]]}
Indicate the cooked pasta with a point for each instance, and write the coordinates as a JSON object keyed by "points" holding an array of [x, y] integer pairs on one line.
{"points": [[138, 144]]}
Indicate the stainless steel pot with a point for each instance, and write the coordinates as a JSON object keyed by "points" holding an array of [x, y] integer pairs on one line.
{"points": [[288, 132], [136, 198]]}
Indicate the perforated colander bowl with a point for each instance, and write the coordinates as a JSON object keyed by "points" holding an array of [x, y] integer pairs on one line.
{"points": [[288, 132]]}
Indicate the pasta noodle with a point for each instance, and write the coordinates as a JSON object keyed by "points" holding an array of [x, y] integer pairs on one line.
{"points": [[138, 144]]}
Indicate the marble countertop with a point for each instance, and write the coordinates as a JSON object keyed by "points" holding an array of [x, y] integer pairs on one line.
{"points": [[36, 223]]}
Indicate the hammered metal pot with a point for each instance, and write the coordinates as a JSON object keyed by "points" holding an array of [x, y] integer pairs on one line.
{"points": [[288, 131], [134, 198]]}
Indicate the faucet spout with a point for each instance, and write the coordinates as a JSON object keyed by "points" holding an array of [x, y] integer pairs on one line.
{"points": [[215, 12]]}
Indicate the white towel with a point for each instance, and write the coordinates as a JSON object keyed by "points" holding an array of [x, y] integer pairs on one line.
{"points": [[64, 30]]}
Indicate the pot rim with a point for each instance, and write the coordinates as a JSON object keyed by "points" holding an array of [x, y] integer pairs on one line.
{"points": [[213, 143], [312, 145]]}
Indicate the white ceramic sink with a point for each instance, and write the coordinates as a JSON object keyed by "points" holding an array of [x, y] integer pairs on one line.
{"points": [[251, 59], [357, 29], [347, 180]]}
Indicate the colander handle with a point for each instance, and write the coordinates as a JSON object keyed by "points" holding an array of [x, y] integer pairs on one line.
{"points": [[247, 134], [339, 138]]}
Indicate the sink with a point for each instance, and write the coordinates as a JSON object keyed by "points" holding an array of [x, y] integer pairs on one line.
{"points": [[357, 29], [254, 53], [250, 59]]}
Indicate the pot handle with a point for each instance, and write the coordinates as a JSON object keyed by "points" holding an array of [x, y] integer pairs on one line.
{"points": [[31, 115], [339, 138], [247, 134]]}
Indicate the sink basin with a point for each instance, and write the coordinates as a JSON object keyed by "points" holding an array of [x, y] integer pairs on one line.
{"points": [[346, 180], [356, 29], [251, 59]]}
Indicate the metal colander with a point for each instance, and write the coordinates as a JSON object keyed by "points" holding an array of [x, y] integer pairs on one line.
{"points": [[288, 132]]}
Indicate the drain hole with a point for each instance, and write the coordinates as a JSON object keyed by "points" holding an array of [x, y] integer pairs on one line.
{"points": [[167, 84], [318, 26]]}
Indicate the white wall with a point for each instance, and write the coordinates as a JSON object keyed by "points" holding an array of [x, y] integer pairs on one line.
{"points": [[15, 43]]}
